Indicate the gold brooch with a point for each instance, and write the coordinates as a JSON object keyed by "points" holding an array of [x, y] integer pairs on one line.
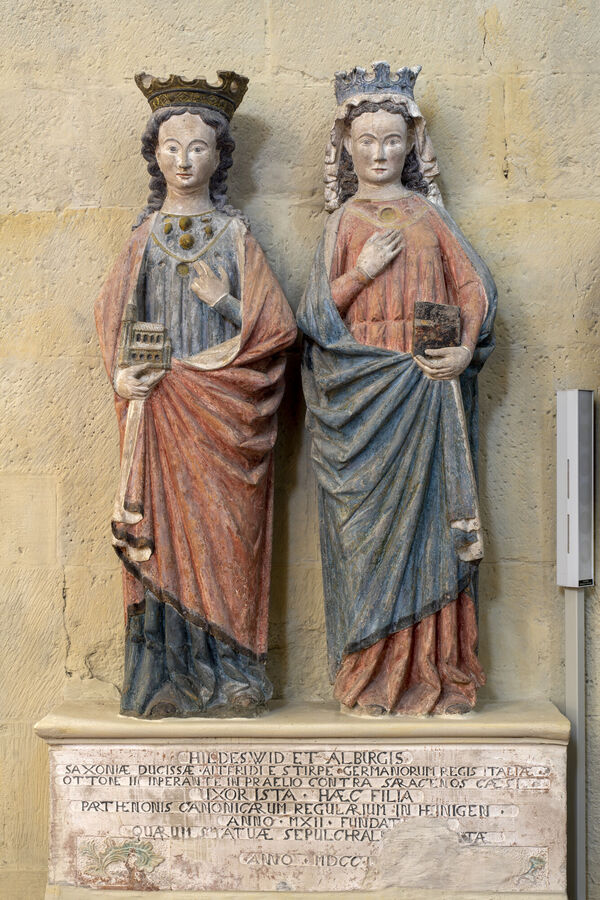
{"points": [[183, 266], [387, 215], [187, 241]]}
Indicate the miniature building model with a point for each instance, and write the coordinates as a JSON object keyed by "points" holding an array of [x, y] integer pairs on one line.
{"points": [[144, 342]]}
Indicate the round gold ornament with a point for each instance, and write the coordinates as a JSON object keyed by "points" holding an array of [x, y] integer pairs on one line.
{"points": [[187, 241], [387, 215], [168, 227], [185, 223], [182, 269]]}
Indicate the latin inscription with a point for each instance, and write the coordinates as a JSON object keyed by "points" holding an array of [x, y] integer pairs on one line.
{"points": [[305, 818]]}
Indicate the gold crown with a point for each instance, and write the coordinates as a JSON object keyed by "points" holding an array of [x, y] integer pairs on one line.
{"points": [[178, 91]]}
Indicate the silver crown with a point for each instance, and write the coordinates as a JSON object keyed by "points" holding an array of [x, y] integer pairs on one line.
{"points": [[358, 81]]}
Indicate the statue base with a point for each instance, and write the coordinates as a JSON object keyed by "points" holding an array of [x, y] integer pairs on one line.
{"points": [[308, 800]]}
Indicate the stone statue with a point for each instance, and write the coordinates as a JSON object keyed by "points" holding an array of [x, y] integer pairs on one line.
{"points": [[394, 435], [192, 326]]}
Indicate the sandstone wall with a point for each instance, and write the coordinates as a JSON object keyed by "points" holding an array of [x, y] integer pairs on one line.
{"points": [[507, 90]]}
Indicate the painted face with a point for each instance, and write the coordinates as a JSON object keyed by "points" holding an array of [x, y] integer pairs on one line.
{"points": [[379, 143], [186, 152]]}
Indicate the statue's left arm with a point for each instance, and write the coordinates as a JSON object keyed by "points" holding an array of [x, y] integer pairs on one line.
{"points": [[262, 298], [213, 289], [465, 288], [485, 341]]}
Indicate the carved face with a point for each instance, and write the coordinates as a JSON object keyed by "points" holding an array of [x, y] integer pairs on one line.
{"points": [[378, 144], [186, 152]]}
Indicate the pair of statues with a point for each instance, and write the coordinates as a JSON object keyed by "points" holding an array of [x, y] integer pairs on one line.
{"points": [[193, 327]]}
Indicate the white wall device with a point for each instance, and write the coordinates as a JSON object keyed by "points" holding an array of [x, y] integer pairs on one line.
{"points": [[575, 488]]}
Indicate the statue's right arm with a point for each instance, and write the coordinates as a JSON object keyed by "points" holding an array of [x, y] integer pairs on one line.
{"points": [[377, 253]]}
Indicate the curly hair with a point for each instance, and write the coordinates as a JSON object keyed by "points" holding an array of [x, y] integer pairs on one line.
{"points": [[218, 182], [412, 177]]}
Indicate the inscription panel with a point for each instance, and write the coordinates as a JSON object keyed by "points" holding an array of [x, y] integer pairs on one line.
{"points": [[315, 816]]}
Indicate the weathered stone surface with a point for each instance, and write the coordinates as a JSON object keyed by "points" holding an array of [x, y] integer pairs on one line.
{"points": [[517, 393], [593, 801], [298, 651], [66, 392], [32, 666], [63, 892], [20, 884], [59, 261], [94, 653], [463, 113], [343, 40], [85, 523], [552, 151], [563, 39], [544, 256], [288, 231], [473, 37], [521, 631], [47, 40], [592, 659], [112, 121], [23, 792], [284, 813], [283, 151], [30, 504]]}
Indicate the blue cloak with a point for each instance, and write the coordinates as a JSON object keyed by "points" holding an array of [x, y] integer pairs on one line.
{"points": [[393, 457]]}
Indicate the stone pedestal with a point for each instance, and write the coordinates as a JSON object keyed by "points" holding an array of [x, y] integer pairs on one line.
{"points": [[307, 799]]}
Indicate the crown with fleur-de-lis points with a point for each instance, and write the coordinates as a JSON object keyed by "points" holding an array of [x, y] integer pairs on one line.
{"points": [[380, 81]]}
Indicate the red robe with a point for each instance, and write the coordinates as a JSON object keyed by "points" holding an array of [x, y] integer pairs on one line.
{"points": [[202, 472], [431, 666]]}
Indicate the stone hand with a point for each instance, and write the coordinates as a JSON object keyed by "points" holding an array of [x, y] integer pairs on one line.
{"points": [[378, 251], [445, 363], [136, 382], [207, 286]]}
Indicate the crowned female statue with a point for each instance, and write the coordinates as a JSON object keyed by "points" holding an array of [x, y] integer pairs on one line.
{"points": [[398, 317], [192, 326]]}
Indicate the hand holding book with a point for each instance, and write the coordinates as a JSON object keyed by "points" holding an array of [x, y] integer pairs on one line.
{"points": [[436, 341], [444, 363]]}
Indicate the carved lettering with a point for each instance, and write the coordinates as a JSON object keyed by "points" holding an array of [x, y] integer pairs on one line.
{"points": [[283, 812]]}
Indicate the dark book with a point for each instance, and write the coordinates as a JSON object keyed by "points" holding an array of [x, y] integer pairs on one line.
{"points": [[437, 325]]}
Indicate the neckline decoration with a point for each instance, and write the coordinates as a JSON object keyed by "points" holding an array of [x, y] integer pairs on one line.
{"points": [[207, 212], [186, 240], [387, 216]]}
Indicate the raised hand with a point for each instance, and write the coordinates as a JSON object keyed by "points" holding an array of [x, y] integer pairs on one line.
{"points": [[136, 382], [379, 250], [207, 286], [445, 363]]}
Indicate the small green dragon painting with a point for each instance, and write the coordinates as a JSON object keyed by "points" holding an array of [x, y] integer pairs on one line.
{"points": [[138, 859], [536, 867]]}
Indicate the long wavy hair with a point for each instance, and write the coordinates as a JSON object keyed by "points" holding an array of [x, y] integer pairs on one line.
{"points": [[412, 177], [218, 183]]}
